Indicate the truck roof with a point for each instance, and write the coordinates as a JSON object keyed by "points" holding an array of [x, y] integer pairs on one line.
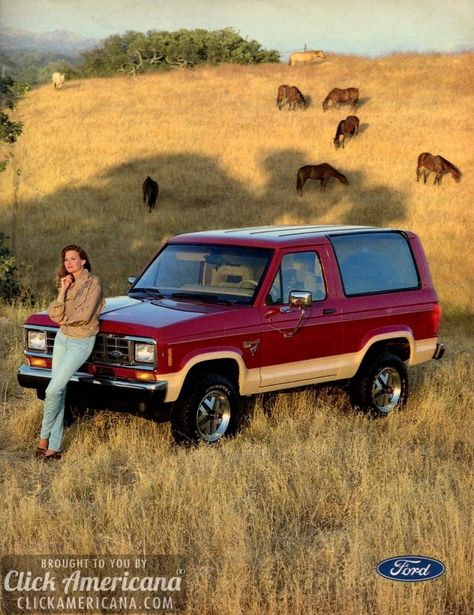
{"points": [[272, 236]]}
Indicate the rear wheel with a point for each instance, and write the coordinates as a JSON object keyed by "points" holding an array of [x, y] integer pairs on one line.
{"points": [[207, 410], [381, 385]]}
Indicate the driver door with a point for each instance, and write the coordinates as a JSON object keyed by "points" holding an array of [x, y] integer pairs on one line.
{"points": [[300, 345]]}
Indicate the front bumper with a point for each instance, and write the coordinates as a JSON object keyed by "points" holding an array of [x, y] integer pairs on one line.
{"points": [[99, 391]]}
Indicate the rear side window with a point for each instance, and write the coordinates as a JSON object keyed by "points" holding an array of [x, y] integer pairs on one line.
{"points": [[375, 263]]}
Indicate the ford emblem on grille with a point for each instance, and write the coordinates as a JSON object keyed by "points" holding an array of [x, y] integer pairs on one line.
{"points": [[116, 354]]}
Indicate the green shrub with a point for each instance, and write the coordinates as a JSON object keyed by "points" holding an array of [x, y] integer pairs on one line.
{"points": [[9, 287]]}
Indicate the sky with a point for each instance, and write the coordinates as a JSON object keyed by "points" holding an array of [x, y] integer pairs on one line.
{"points": [[367, 27]]}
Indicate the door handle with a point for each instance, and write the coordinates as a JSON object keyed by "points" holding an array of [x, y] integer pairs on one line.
{"points": [[329, 311], [285, 309]]}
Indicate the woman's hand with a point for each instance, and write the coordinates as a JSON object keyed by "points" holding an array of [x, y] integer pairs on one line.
{"points": [[65, 284]]}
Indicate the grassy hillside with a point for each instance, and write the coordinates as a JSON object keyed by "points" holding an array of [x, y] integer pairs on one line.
{"points": [[294, 514]]}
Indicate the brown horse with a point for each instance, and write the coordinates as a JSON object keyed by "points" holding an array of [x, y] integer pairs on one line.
{"points": [[347, 127], [323, 172], [150, 190], [338, 95], [295, 98], [282, 95], [290, 95], [439, 165]]}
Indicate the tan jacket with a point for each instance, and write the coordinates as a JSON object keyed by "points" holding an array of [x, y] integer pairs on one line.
{"points": [[78, 310]]}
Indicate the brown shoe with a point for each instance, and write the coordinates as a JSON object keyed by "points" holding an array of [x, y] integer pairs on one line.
{"points": [[39, 454], [54, 456]]}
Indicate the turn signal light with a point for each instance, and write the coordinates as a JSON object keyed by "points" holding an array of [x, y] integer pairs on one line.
{"points": [[37, 362], [147, 376]]}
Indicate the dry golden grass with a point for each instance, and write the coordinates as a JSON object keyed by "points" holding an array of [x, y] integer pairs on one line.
{"points": [[294, 514]]}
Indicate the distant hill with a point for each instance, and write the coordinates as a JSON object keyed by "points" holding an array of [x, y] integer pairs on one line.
{"points": [[12, 39]]}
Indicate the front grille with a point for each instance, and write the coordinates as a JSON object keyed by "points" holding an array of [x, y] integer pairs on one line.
{"points": [[50, 335], [111, 349]]}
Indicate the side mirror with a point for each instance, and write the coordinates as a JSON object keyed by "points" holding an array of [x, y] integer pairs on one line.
{"points": [[131, 280], [300, 298]]}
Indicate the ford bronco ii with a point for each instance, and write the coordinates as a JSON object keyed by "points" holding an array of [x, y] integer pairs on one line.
{"points": [[217, 316]]}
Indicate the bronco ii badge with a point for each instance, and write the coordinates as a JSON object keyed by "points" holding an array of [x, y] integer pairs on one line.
{"points": [[409, 568]]}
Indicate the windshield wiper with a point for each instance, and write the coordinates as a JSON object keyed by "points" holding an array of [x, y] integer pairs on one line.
{"points": [[204, 297], [154, 292]]}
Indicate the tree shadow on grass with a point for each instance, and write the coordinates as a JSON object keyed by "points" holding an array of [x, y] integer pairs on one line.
{"points": [[110, 219], [370, 204], [376, 205]]}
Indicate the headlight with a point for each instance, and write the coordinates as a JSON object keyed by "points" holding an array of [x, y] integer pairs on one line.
{"points": [[37, 340], [145, 353]]}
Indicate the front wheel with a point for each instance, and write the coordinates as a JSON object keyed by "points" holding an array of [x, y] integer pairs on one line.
{"points": [[381, 385], [207, 410]]}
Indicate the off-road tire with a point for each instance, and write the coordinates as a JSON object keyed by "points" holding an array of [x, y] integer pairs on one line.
{"points": [[380, 385], [208, 409]]}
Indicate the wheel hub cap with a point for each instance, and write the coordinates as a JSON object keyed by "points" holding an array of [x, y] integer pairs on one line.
{"points": [[387, 389], [213, 416]]}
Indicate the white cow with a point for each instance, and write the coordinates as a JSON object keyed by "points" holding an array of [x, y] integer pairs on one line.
{"points": [[58, 79]]}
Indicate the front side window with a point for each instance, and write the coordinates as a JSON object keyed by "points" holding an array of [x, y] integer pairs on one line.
{"points": [[205, 272], [298, 271], [375, 262]]}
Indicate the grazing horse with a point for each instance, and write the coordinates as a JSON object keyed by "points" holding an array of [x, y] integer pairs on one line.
{"points": [[323, 172], [439, 165], [150, 192], [338, 95], [295, 98], [282, 96], [347, 127]]}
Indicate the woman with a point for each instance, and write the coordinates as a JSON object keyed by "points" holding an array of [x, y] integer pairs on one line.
{"points": [[76, 310]]}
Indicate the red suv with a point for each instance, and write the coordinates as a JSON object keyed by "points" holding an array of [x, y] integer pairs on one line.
{"points": [[220, 315]]}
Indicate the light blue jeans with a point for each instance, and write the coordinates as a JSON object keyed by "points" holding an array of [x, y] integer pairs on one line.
{"points": [[69, 353]]}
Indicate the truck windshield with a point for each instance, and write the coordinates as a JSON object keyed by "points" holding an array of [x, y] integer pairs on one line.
{"points": [[208, 273]]}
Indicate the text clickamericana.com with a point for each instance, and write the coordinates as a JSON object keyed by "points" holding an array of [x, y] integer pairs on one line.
{"points": [[93, 603]]}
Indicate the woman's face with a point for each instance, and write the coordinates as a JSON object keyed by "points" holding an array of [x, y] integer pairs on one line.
{"points": [[73, 263]]}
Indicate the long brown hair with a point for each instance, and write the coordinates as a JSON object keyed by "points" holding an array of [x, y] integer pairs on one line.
{"points": [[82, 254]]}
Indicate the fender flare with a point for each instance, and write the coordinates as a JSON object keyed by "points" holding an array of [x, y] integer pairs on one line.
{"points": [[246, 377]]}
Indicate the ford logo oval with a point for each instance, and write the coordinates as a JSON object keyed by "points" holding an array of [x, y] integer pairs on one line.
{"points": [[409, 568], [116, 354]]}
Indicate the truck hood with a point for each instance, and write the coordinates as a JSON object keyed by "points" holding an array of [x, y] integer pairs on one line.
{"points": [[144, 311], [162, 318], [144, 317]]}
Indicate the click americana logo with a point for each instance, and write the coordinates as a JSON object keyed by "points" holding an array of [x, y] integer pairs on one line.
{"points": [[410, 568], [70, 584]]}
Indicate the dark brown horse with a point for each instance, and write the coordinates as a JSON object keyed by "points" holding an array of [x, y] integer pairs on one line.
{"points": [[295, 98], [323, 172], [347, 127], [439, 165], [282, 95], [150, 192], [338, 95], [290, 95]]}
